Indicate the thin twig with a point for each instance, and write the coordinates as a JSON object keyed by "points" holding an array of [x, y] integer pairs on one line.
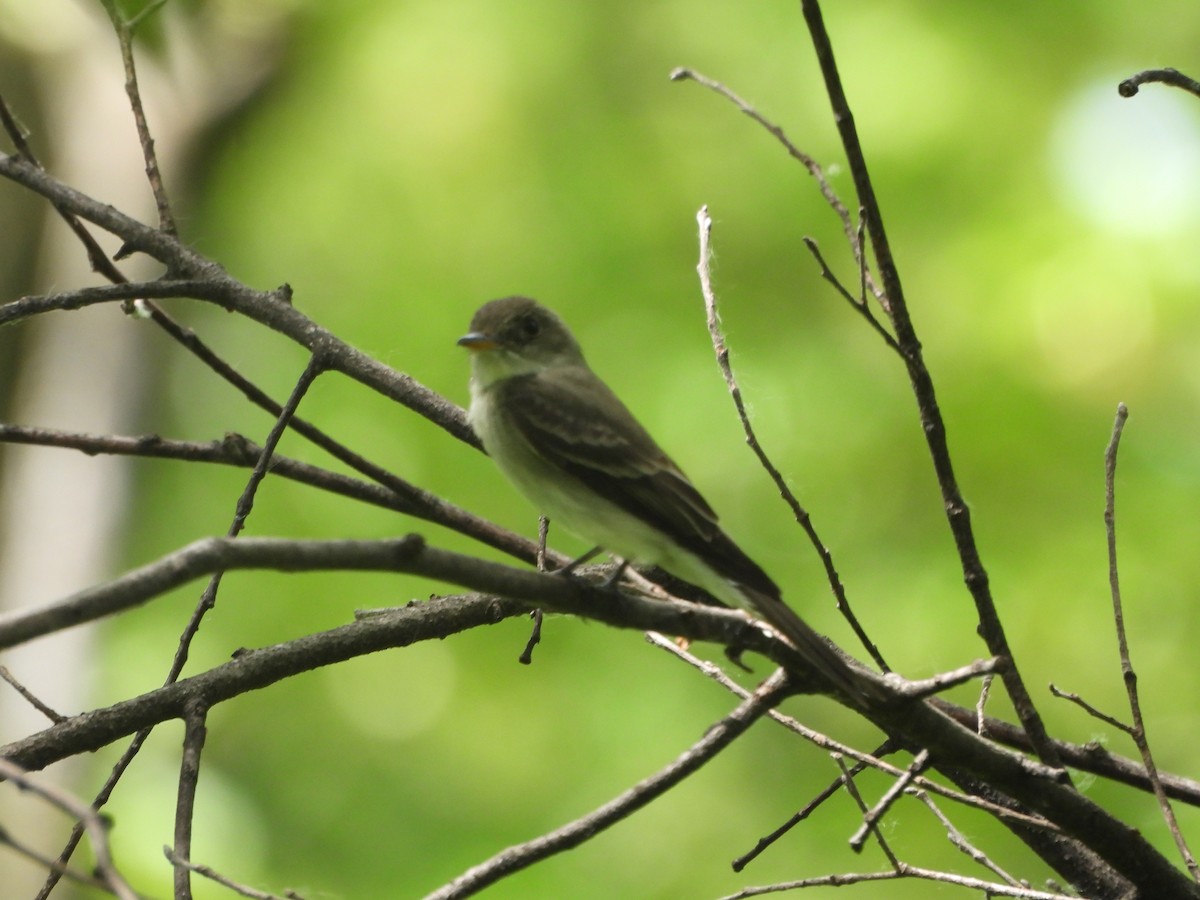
{"points": [[872, 816], [245, 504], [535, 633], [852, 789], [1173, 77], [1138, 731], [543, 536], [906, 871], [124, 30], [943, 681], [859, 303], [811, 165], [799, 816], [985, 690], [1089, 709], [799, 512], [535, 637], [957, 838], [88, 818], [716, 738], [29, 696], [225, 881]]}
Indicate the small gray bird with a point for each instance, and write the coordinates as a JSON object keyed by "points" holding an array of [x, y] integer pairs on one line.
{"points": [[565, 441]]}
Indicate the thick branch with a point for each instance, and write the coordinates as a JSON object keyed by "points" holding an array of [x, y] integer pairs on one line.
{"points": [[255, 669], [915, 723]]}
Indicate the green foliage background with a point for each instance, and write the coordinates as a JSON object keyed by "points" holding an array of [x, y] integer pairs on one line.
{"points": [[410, 160]]}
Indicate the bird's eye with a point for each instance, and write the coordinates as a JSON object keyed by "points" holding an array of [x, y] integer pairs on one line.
{"points": [[530, 327]]}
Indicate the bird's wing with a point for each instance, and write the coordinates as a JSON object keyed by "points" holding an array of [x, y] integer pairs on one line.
{"points": [[577, 424]]}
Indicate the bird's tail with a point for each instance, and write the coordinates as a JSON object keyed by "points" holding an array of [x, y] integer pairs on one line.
{"points": [[856, 683]]}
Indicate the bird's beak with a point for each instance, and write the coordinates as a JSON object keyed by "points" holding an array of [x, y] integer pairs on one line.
{"points": [[477, 340]]}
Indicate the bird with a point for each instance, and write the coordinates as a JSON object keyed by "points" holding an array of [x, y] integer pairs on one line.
{"points": [[566, 442]]}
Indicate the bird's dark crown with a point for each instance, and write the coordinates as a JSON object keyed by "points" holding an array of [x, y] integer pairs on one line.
{"points": [[516, 322]]}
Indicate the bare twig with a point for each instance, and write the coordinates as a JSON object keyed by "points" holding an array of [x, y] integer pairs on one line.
{"points": [[535, 637], [904, 871], [88, 818], [535, 633], [1089, 709], [543, 536], [799, 816], [1138, 732], [1173, 77], [29, 696], [224, 881], [852, 789], [245, 504], [811, 165], [985, 689], [957, 838], [859, 303], [716, 738], [943, 681], [872, 816], [124, 30], [799, 512]]}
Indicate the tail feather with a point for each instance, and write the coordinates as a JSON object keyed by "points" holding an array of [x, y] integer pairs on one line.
{"points": [[851, 681]]}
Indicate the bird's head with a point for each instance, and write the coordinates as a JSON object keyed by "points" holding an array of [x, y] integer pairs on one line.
{"points": [[516, 336]]}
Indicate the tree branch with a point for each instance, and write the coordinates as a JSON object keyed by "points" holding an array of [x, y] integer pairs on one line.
{"points": [[198, 278], [957, 512]]}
